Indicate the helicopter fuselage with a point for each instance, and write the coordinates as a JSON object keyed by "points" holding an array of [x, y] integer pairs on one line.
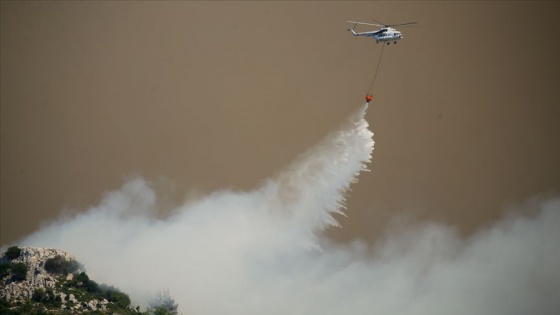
{"points": [[386, 34]]}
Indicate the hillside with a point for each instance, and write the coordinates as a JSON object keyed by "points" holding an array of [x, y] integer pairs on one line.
{"points": [[51, 281]]}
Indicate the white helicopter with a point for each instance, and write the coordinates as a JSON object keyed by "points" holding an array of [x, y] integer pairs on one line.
{"points": [[385, 34]]}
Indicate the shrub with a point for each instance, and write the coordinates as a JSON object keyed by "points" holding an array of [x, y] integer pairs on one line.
{"points": [[58, 265], [26, 308], [91, 286], [41, 311], [117, 297], [163, 304], [4, 306], [81, 277], [4, 269], [19, 271], [160, 310], [39, 295], [13, 252], [47, 297], [82, 280]]}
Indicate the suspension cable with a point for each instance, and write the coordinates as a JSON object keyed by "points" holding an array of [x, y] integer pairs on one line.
{"points": [[370, 89]]}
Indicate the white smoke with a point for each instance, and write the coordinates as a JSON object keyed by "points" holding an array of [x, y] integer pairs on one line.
{"points": [[262, 252]]}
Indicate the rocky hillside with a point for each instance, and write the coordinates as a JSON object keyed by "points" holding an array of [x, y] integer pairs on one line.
{"points": [[51, 281]]}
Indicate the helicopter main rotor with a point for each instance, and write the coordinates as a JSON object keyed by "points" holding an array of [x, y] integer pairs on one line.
{"points": [[391, 25]]}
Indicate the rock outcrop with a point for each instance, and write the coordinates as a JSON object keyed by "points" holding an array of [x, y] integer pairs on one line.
{"points": [[55, 288], [37, 277]]}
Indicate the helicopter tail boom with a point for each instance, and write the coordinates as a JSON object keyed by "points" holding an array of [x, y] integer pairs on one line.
{"points": [[352, 29]]}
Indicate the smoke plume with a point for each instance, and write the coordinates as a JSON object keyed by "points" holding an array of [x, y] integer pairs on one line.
{"points": [[263, 251]]}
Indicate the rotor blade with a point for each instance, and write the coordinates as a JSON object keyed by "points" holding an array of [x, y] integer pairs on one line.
{"points": [[403, 24], [376, 21], [365, 23]]}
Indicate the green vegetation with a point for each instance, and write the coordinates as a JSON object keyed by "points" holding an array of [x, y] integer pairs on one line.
{"points": [[163, 304], [13, 252], [5, 269], [58, 265], [20, 309], [83, 289], [47, 301], [19, 271], [4, 306], [112, 294], [47, 297], [160, 310]]}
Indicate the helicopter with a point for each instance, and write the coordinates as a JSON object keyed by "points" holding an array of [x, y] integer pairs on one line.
{"points": [[385, 34]]}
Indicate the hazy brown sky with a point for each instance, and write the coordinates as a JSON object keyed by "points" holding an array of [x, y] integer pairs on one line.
{"points": [[202, 96]]}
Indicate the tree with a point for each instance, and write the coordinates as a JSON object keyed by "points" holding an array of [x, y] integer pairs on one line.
{"points": [[47, 297], [13, 252], [82, 280], [19, 271], [58, 265], [160, 310], [4, 306], [163, 304], [112, 294], [4, 269], [39, 295]]}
